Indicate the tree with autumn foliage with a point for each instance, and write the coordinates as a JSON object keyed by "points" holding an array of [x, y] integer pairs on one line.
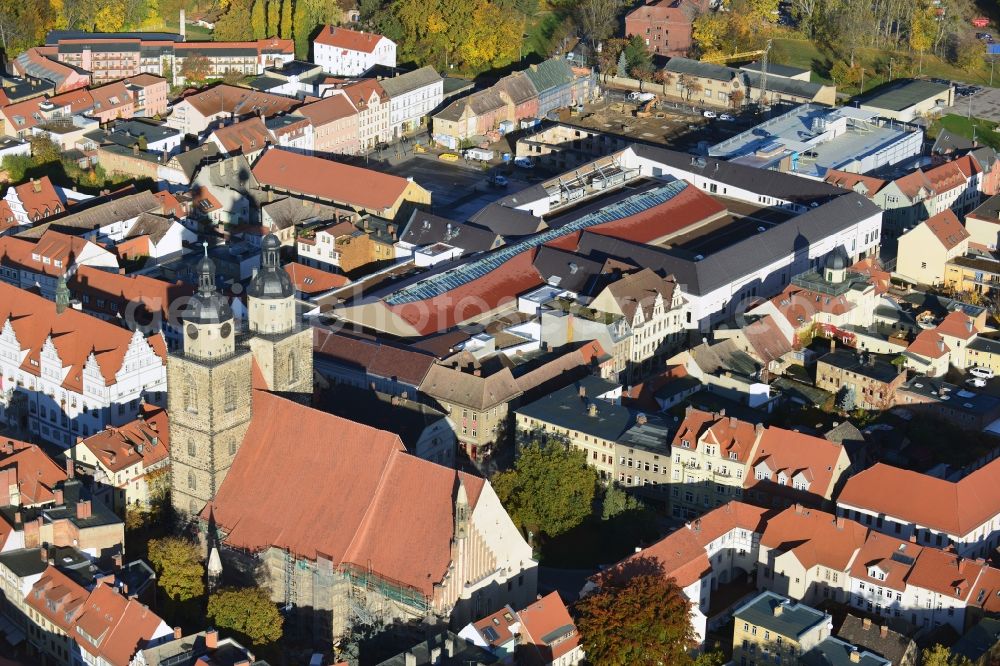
{"points": [[637, 619], [179, 571], [939, 655], [247, 611]]}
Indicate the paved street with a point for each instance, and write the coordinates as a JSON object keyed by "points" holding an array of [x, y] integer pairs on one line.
{"points": [[984, 104]]}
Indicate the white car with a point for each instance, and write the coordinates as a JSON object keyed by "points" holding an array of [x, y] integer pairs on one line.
{"points": [[726, 116], [976, 381], [981, 373], [710, 114]]}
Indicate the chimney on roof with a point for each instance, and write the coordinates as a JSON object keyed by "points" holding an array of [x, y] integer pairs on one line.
{"points": [[866, 623], [70, 468], [833, 344], [798, 508], [58, 495], [117, 560], [36, 186], [722, 412], [968, 324], [883, 631], [779, 609], [940, 344], [211, 639], [84, 509], [583, 391], [17, 518], [478, 372], [178, 632], [449, 647], [913, 538], [732, 422], [640, 419], [961, 565], [839, 522], [758, 427], [411, 659], [592, 409], [855, 655], [43, 553]]}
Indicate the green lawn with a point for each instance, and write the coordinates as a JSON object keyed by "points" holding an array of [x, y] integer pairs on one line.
{"points": [[194, 33], [820, 58], [985, 130]]}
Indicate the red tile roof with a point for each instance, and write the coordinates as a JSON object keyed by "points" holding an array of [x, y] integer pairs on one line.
{"points": [[547, 626], [350, 40], [362, 91], [928, 344], [957, 508], [500, 622], [77, 100], [691, 205], [815, 537], [957, 325], [246, 136], [145, 440], [28, 467], [849, 181], [729, 434], [224, 98], [946, 573], [22, 116], [794, 453], [76, 336], [394, 513], [947, 229], [682, 553], [39, 198], [883, 551], [66, 596], [329, 180], [328, 110], [119, 626], [374, 357], [311, 280], [119, 291]]}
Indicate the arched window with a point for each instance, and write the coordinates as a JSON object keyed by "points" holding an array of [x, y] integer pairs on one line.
{"points": [[293, 367], [229, 393], [192, 449], [192, 481], [190, 395], [232, 446]]}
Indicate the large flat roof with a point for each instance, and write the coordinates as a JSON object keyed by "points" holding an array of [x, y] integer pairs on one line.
{"points": [[899, 96], [818, 138]]}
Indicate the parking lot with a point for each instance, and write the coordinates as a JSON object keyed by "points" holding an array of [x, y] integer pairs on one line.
{"points": [[984, 101]]}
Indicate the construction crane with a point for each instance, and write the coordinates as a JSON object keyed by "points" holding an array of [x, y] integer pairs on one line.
{"points": [[748, 55]]}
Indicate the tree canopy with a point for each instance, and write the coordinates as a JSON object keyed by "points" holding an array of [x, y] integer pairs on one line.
{"points": [[939, 655], [551, 488], [247, 611], [178, 567], [642, 620]]}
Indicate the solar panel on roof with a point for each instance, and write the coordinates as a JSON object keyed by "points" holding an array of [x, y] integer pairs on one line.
{"points": [[440, 284]]}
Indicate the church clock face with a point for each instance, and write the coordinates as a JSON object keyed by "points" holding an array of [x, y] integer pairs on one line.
{"points": [[192, 331], [226, 330]]}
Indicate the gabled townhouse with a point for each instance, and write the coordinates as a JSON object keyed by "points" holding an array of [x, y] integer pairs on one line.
{"points": [[343, 358], [714, 550], [35, 200], [983, 224], [863, 380], [773, 627], [936, 512], [68, 374], [866, 186], [31, 478], [99, 626], [469, 117], [335, 123], [133, 458], [348, 52], [374, 112], [196, 112], [412, 97], [559, 84], [897, 647], [717, 458], [248, 137], [288, 218], [925, 249], [40, 265], [920, 195], [653, 308], [520, 95]]}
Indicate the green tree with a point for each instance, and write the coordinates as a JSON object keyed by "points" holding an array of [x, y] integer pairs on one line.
{"points": [[644, 620], [551, 488], [195, 69], [616, 502], [301, 29], [970, 54], [273, 17], [44, 149], [939, 655], [258, 19], [286, 19], [178, 567], [636, 53], [248, 612], [597, 19], [622, 68], [235, 24]]}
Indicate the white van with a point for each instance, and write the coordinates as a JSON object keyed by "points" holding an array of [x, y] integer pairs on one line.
{"points": [[981, 373]]}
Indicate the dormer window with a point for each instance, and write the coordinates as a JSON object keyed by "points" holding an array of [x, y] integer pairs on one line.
{"points": [[686, 444]]}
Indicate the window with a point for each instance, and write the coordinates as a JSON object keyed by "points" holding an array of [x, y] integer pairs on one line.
{"points": [[190, 395], [293, 367], [192, 449], [229, 393], [192, 481]]}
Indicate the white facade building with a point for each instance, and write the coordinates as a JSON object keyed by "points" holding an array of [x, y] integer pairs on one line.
{"points": [[351, 53], [66, 374], [412, 96]]}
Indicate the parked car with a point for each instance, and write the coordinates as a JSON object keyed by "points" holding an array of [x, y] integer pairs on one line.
{"points": [[448, 157], [524, 163], [709, 114], [498, 181], [640, 97], [726, 116], [981, 373], [976, 381]]}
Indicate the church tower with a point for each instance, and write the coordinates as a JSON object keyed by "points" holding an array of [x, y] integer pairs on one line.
{"points": [[208, 399], [281, 347]]}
